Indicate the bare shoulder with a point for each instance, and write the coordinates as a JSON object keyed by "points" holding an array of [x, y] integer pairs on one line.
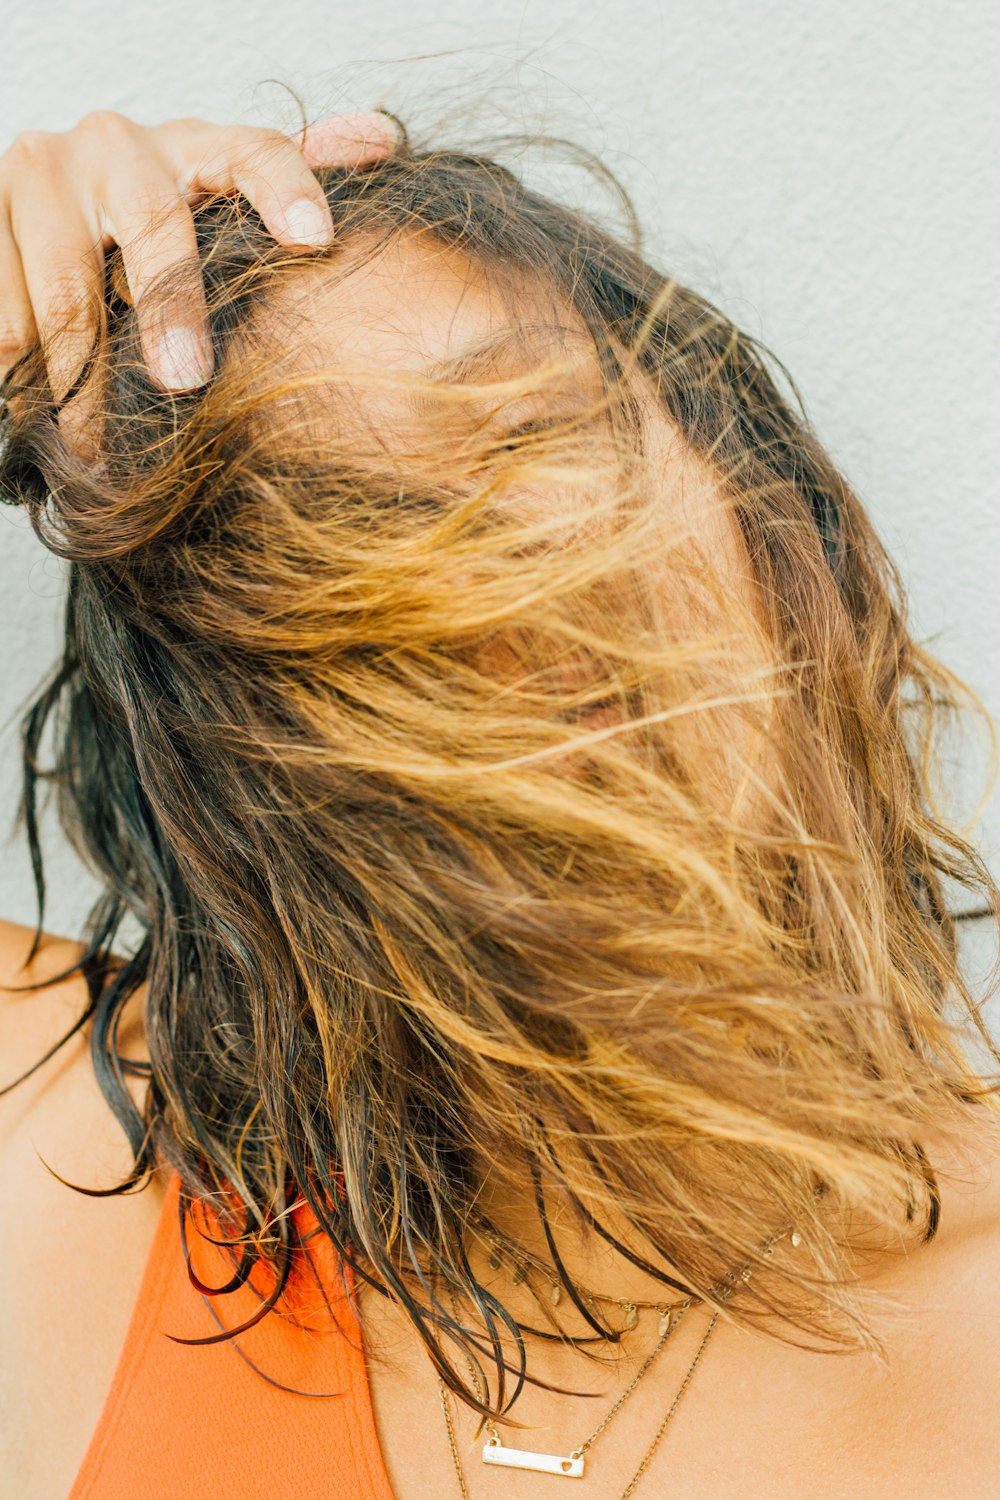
{"points": [[59, 1105], [54, 954], [968, 1176], [968, 1242], [71, 1262], [33, 1022]]}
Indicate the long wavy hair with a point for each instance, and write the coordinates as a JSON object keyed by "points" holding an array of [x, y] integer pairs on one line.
{"points": [[468, 815]]}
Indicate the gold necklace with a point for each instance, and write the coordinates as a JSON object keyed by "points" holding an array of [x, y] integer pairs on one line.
{"points": [[571, 1466], [526, 1262]]}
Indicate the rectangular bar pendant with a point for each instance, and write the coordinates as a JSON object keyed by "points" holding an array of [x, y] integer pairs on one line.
{"points": [[541, 1463]]}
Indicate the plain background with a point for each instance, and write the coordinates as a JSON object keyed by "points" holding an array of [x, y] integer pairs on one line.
{"points": [[829, 175]]}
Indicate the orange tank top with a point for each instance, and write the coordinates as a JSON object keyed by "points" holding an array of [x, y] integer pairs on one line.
{"points": [[197, 1422]]}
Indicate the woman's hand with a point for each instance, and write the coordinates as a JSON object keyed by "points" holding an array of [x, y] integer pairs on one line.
{"points": [[67, 197]]}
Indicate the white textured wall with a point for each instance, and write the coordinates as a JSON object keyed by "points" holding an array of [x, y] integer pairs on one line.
{"points": [[828, 173]]}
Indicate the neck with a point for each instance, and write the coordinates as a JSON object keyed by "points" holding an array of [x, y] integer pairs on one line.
{"points": [[527, 1281], [877, 1256]]}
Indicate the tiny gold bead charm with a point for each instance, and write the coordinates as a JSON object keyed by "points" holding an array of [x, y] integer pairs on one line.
{"points": [[663, 1327], [555, 1296], [631, 1315], [796, 1239]]}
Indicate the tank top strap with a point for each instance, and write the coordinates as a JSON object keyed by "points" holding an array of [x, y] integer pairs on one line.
{"points": [[194, 1422]]}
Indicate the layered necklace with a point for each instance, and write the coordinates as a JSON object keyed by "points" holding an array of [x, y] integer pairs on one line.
{"points": [[571, 1465]]}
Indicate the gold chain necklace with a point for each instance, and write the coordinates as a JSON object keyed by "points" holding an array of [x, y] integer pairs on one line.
{"points": [[571, 1466], [630, 1306]]}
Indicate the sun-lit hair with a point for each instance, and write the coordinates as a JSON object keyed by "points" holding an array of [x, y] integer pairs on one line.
{"points": [[469, 815]]}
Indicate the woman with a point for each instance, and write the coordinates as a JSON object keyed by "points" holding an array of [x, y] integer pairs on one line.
{"points": [[499, 718]]}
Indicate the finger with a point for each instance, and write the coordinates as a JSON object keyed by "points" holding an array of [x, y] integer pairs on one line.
{"points": [[64, 282], [150, 220], [349, 140], [274, 171], [17, 321], [267, 168], [63, 271]]}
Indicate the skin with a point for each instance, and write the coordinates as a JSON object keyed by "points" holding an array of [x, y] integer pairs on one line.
{"points": [[760, 1418], [358, 320], [450, 306], [68, 197]]}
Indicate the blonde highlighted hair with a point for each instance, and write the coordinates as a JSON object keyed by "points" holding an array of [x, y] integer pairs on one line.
{"points": [[405, 911]]}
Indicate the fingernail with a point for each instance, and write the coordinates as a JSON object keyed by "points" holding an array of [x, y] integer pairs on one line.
{"points": [[307, 223], [184, 359]]}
